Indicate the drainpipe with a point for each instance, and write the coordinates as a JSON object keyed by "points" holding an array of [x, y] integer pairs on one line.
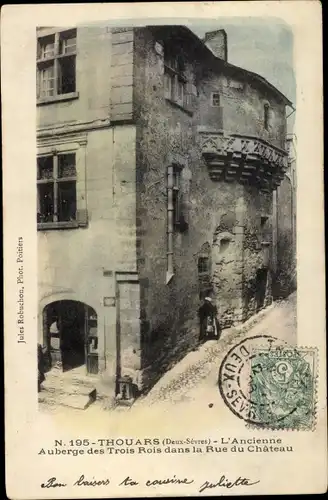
{"points": [[170, 271]]}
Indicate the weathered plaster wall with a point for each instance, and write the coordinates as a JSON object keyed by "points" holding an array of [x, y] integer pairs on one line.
{"points": [[119, 78], [257, 248], [72, 262], [217, 214]]}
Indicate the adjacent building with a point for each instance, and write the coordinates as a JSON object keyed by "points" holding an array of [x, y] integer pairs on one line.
{"points": [[284, 207], [158, 173]]}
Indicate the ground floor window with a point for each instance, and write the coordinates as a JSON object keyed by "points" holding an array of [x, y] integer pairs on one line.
{"points": [[56, 188]]}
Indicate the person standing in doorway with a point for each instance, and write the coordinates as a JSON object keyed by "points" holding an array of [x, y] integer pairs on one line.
{"points": [[209, 324], [41, 367]]}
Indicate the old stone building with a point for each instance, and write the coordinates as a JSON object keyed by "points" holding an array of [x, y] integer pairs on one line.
{"points": [[158, 166]]}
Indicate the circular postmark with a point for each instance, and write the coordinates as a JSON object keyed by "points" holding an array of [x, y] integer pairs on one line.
{"points": [[235, 376], [268, 383]]}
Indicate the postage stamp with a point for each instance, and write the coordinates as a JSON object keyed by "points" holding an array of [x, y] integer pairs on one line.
{"points": [[270, 384], [282, 387], [234, 375]]}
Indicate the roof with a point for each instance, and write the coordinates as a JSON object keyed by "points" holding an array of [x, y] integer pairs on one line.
{"points": [[178, 30]]}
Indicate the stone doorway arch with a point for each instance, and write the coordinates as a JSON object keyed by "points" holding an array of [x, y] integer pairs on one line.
{"points": [[71, 335]]}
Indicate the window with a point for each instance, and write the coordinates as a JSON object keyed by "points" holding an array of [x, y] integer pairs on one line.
{"points": [[56, 188], [266, 116], [216, 101], [217, 113], [203, 265], [265, 228], [56, 70], [174, 80]]}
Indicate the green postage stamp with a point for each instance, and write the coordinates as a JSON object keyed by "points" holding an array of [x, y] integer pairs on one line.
{"points": [[283, 387]]}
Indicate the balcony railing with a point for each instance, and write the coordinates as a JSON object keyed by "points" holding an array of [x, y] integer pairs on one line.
{"points": [[243, 158]]}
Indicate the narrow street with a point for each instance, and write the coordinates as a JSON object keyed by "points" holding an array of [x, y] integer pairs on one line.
{"points": [[188, 386], [197, 373]]}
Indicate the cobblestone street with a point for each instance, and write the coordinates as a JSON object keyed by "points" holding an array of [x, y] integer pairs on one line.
{"points": [[189, 385]]}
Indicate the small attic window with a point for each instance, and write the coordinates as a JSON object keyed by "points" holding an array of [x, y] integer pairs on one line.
{"points": [[215, 99]]}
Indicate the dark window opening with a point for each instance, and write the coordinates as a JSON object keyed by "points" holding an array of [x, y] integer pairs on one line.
{"points": [[216, 101], [176, 207], [260, 287], [56, 188], [265, 229], [266, 116], [45, 202], [203, 265], [264, 220], [66, 75], [66, 201]]}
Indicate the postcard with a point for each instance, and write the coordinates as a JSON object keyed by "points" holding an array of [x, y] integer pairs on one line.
{"points": [[163, 249]]}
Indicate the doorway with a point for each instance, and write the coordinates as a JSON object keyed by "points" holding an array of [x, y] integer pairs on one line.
{"points": [[260, 287], [71, 336]]}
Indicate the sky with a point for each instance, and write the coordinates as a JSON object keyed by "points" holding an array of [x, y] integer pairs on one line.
{"points": [[264, 46]]}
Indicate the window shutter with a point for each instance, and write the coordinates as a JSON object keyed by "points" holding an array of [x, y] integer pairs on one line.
{"points": [[191, 96], [82, 217]]}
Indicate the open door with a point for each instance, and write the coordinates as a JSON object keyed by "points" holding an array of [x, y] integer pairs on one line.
{"points": [[91, 340]]}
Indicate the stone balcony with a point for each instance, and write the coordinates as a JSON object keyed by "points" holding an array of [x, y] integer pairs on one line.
{"points": [[242, 158]]}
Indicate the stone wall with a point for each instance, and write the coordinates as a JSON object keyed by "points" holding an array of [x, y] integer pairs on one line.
{"points": [[241, 106], [165, 131], [257, 248], [122, 180]]}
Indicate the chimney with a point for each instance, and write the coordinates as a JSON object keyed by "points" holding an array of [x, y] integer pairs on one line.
{"points": [[217, 42]]}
